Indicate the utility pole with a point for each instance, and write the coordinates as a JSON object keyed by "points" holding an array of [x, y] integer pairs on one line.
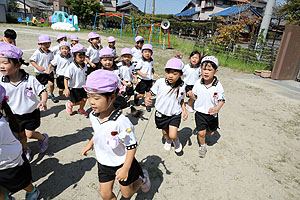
{"points": [[153, 7], [266, 19], [145, 7], [25, 9]]}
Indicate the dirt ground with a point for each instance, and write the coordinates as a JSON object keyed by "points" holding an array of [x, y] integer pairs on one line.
{"points": [[254, 155]]}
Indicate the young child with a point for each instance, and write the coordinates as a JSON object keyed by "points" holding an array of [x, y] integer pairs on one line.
{"points": [[191, 73], [107, 61], [127, 71], [169, 104], [15, 171], [145, 71], [9, 37], [60, 38], [114, 140], [22, 89], [60, 63], [137, 49], [111, 44], [40, 60], [74, 40], [75, 76], [210, 98], [92, 54]]}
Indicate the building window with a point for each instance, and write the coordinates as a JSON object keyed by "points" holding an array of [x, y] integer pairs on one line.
{"points": [[220, 2], [209, 3]]}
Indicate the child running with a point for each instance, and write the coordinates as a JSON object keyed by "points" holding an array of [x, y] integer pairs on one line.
{"points": [[169, 104], [137, 49], [114, 140], [191, 73], [111, 44], [75, 76], [145, 72], [210, 98], [40, 60], [15, 171], [9, 37], [60, 38], [22, 89], [61, 62], [93, 51]]}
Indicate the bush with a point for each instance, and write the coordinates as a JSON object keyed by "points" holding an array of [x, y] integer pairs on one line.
{"points": [[12, 19]]}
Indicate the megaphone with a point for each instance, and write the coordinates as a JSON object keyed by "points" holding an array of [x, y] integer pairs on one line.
{"points": [[165, 24]]}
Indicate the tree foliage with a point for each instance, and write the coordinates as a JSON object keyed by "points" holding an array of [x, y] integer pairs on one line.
{"points": [[291, 11]]}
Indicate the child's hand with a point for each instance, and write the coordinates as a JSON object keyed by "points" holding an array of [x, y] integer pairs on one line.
{"points": [[42, 105], [42, 69], [67, 92], [129, 84], [190, 94], [184, 115], [48, 71], [213, 111], [122, 174], [93, 65], [156, 76], [148, 101], [85, 149], [144, 75], [136, 81]]}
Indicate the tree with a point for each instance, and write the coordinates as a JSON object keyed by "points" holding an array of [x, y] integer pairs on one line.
{"points": [[291, 11], [12, 6], [85, 10]]}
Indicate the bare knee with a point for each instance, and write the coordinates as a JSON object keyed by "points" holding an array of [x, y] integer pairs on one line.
{"points": [[202, 133], [29, 134], [106, 195], [126, 194]]}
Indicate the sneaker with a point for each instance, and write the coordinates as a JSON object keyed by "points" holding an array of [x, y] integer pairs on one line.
{"points": [[177, 145], [135, 100], [146, 183], [82, 112], [27, 153], [69, 108], [32, 195], [189, 108], [53, 98], [43, 145], [168, 145], [148, 108], [202, 151]]}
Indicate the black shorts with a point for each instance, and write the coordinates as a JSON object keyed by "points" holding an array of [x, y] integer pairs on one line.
{"points": [[91, 69], [60, 82], [44, 78], [16, 178], [206, 122], [163, 121], [29, 121], [188, 88], [144, 86], [129, 91], [77, 94], [107, 173]]}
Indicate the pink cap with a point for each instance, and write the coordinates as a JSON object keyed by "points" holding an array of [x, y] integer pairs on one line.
{"points": [[147, 46], [126, 51], [101, 81], [44, 39], [3, 94], [174, 63], [212, 59], [106, 53], [78, 48], [10, 51], [92, 35], [139, 38], [74, 37], [111, 39], [60, 36], [64, 43]]}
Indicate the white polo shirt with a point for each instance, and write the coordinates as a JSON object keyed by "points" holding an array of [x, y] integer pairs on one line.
{"points": [[191, 74], [136, 53], [22, 98], [61, 63], [116, 123], [55, 50], [145, 67], [10, 147], [207, 97], [75, 75], [167, 101], [114, 50], [93, 54], [42, 59], [126, 72]]}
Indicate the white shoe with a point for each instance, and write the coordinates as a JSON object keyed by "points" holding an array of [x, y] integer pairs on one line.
{"points": [[168, 145], [202, 152], [177, 145]]}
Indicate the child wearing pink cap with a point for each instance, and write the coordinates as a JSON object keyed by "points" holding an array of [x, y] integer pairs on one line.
{"points": [[114, 140], [75, 76], [111, 44], [137, 49], [60, 38], [40, 60], [93, 52], [74, 40], [145, 71], [21, 90], [15, 171], [169, 104]]}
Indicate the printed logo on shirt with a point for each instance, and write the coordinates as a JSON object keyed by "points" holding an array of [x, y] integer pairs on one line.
{"points": [[29, 92], [215, 94]]}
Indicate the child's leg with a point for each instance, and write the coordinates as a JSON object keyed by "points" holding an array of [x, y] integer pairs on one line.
{"points": [[201, 136], [23, 139], [29, 188], [106, 190], [61, 92], [172, 132], [168, 142], [139, 96], [82, 103], [166, 134], [74, 104], [32, 134], [51, 87], [128, 191]]}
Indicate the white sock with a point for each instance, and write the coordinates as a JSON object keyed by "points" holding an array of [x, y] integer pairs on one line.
{"points": [[202, 145]]}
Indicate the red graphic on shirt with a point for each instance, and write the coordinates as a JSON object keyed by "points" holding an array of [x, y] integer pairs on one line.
{"points": [[215, 94], [114, 133]]}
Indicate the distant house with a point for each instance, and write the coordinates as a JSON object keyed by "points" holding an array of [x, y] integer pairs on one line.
{"points": [[126, 7], [202, 10], [109, 5], [33, 8], [3, 10], [59, 5]]}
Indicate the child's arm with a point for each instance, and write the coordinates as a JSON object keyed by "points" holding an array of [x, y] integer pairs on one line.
{"points": [[214, 110], [148, 101], [40, 68], [122, 173], [43, 102], [141, 74], [67, 91], [184, 113], [88, 61], [87, 147], [49, 69], [155, 74], [136, 79]]}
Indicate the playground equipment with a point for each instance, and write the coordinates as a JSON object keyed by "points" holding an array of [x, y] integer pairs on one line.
{"points": [[115, 15], [152, 33], [33, 20], [60, 16]]}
